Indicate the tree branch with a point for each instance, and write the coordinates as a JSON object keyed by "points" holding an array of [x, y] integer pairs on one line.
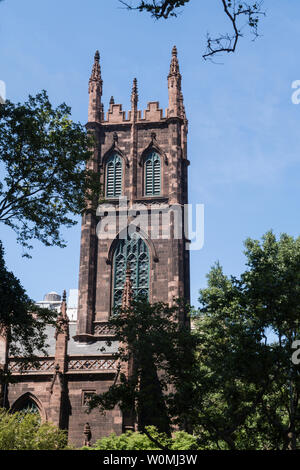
{"points": [[233, 10], [163, 9], [227, 43]]}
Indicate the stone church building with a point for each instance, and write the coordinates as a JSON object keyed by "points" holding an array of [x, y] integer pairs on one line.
{"points": [[141, 160]]}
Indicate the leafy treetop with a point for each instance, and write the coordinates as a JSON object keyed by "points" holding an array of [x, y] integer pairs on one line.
{"points": [[45, 180]]}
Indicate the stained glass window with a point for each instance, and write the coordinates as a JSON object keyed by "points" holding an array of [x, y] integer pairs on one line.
{"points": [[152, 174], [134, 252], [30, 407], [114, 170]]}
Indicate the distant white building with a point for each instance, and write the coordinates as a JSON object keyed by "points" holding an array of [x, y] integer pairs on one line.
{"points": [[2, 92], [72, 304], [52, 301]]}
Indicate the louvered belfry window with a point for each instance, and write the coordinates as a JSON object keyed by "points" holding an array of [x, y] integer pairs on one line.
{"points": [[134, 252], [152, 175], [114, 171]]}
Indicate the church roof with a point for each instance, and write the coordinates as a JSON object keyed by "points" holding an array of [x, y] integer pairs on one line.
{"points": [[79, 349]]}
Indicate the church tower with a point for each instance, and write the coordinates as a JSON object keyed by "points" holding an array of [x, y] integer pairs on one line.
{"points": [[141, 160], [134, 244]]}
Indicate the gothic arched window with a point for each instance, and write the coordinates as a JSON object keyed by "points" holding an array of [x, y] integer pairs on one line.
{"points": [[114, 173], [152, 174], [134, 252], [29, 406]]}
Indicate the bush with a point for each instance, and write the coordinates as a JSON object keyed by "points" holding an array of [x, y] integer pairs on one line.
{"points": [[138, 441], [20, 431]]}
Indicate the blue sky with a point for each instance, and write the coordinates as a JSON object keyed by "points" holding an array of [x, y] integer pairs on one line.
{"points": [[243, 128]]}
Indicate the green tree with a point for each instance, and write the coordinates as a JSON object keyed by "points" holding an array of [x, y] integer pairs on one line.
{"points": [[137, 441], [248, 388], [21, 322], [158, 348], [241, 389], [45, 182], [44, 178], [24, 321], [239, 14], [19, 431]]}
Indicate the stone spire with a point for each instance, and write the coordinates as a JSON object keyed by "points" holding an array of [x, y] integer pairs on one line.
{"points": [[127, 295], [58, 388], [134, 95], [62, 324], [111, 103], [174, 67], [95, 91], [174, 86]]}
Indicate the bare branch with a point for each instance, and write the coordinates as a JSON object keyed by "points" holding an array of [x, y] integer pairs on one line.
{"points": [[234, 11], [226, 42]]}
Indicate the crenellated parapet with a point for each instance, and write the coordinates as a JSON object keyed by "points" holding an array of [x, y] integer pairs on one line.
{"points": [[116, 115], [153, 113]]}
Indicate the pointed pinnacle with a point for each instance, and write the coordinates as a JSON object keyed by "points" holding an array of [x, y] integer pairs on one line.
{"points": [[127, 290], [64, 296], [174, 66], [96, 73], [134, 93], [112, 100]]}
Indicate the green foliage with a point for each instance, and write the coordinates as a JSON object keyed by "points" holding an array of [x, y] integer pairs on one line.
{"points": [[242, 391], [138, 441], [43, 156], [183, 441], [25, 330], [160, 352], [159, 9], [19, 431], [248, 388]]}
